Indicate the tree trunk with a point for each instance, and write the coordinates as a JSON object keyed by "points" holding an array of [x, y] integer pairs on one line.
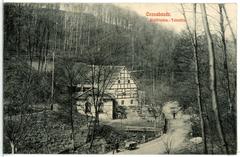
{"points": [[93, 134], [133, 51], [12, 147], [19, 31], [225, 56], [97, 116], [203, 129], [65, 34], [235, 46], [232, 104], [155, 122], [71, 116], [196, 67], [212, 78], [46, 51], [53, 67], [76, 36]]}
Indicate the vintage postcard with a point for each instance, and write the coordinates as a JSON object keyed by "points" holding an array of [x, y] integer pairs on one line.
{"points": [[119, 78]]}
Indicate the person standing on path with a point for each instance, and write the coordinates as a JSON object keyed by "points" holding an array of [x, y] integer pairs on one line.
{"points": [[174, 115], [115, 146]]}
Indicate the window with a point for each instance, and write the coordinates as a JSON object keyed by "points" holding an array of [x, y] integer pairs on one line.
{"points": [[119, 81], [131, 101], [122, 102], [128, 81]]}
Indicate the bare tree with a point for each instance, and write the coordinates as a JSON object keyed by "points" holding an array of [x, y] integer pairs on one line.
{"points": [[156, 111], [100, 76], [67, 77], [196, 66], [16, 128], [212, 78], [224, 47], [235, 46], [17, 96], [167, 143], [100, 79]]}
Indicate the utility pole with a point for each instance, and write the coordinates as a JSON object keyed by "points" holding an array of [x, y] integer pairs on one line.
{"points": [[133, 52], [132, 45], [53, 66]]}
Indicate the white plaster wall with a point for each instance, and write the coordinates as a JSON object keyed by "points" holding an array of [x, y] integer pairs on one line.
{"points": [[107, 109], [127, 102]]}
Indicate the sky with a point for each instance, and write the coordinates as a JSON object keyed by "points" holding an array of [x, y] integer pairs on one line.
{"points": [[175, 11]]}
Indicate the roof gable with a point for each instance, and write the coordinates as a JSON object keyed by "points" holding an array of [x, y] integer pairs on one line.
{"points": [[107, 75]]}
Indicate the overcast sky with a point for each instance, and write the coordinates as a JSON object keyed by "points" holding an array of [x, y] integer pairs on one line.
{"points": [[175, 11]]}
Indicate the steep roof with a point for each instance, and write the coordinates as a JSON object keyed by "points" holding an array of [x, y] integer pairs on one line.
{"points": [[89, 93], [49, 65], [105, 75], [108, 74]]}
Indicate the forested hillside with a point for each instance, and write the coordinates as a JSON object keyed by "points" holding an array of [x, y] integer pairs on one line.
{"points": [[161, 60], [35, 31]]}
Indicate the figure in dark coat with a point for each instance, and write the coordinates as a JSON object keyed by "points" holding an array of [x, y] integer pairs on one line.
{"points": [[116, 146], [174, 115], [88, 107]]}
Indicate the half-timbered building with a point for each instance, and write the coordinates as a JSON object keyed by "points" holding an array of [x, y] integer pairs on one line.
{"points": [[124, 87], [121, 91]]}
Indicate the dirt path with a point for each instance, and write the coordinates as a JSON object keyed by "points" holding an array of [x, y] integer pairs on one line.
{"points": [[175, 137]]}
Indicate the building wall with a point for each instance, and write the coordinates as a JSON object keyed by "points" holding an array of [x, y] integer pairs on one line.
{"points": [[124, 89], [128, 102], [107, 109]]}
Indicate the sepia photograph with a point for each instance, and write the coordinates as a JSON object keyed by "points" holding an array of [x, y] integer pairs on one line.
{"points": [[119, 78]]}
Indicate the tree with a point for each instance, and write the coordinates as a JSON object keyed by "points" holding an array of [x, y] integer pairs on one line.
{"points": [[100, 78], [156, 111], [19, 85], [196, 67], [167, 143], [235, 46], [212, 78], [224, 47], [68, 76]]}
